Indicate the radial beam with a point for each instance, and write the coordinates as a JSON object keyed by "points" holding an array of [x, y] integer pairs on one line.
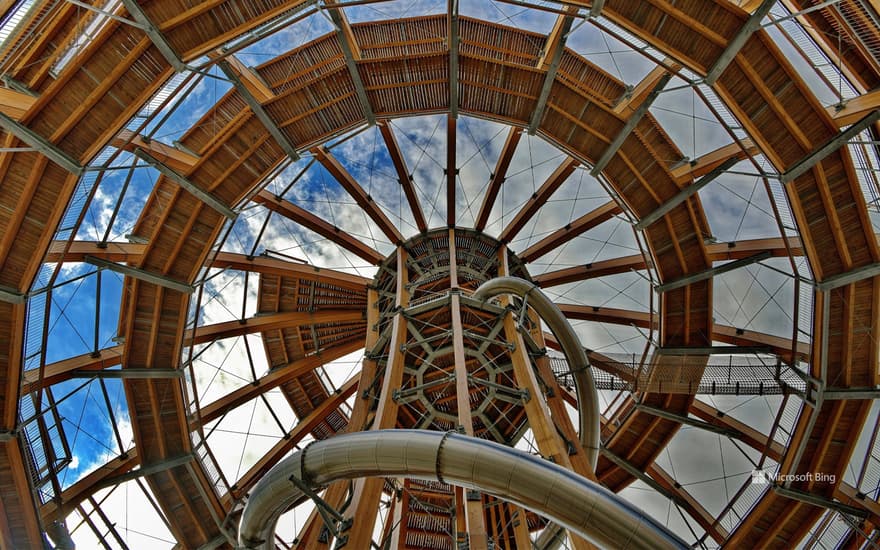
{"points": [[291, 439], [571, 230], [854, 109], [685, 194], [688, 421], [59, 371], [630, 125], [174, 158], [351, 186], [712, 272], [88, 486], [272, 321], [156, 37], [538, 199], [699, 167], [498, 177], [734, 46], [272, 379], [403, 174], [549, 62], [204, 196], [41, 144], [717, 252], [687, 501], [253, 91], [835, 143], [747, 434], [15, 104], [141, 274], [606, 315], [76, 251], [275, 266], [314, 223]]}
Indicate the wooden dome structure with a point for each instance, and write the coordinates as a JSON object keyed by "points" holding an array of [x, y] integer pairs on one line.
{"points": [[90, 89]]}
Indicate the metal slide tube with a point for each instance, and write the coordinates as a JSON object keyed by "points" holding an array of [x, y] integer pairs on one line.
{"points": [[579, 365], [564, 497]]}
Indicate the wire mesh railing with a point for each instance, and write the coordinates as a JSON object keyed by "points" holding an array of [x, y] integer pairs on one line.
{"points": [[710, 375]]}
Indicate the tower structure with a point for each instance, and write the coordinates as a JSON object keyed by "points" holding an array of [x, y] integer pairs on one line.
{"points": [[233, 231]]}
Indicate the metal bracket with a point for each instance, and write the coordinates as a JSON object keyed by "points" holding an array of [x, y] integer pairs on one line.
{"points": [[328, 514]]}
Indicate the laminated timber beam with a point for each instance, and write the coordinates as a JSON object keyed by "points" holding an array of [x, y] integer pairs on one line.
{"points": [[571, 230], [404, 176], [721, 333], [538, 199], [133, 252], [752, 25], [549, 62], [41, 144], [204, 196], [172, 157], [687, 501], [353, 188], [303, 428], [705, 164], [639, 110], [15, 104], [65, 369], [813, 158], [255, 93], [717, 252], [498, 177], [747, 434], [154, 34], [855, 109], [271, 321], [314, 223], [274, 378], [88, 486]]}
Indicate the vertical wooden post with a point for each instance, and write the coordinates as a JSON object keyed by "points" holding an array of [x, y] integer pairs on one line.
{"points": [[367, 491], [547, 438]]}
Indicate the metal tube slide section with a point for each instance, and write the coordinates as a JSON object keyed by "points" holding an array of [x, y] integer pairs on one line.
{"points": [[579, 365], [566, 498]]}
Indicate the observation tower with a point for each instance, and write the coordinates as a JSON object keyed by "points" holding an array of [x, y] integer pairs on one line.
{"points": [[421, 274]]}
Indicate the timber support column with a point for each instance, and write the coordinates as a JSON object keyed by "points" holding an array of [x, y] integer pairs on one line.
{"points": [[474, 522], [367, 492]]}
